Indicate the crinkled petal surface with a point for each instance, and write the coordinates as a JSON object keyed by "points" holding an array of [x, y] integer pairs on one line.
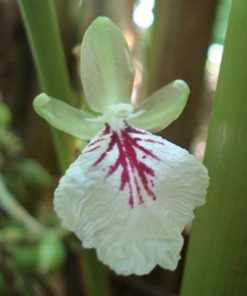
{"points": [[66, 118], [106, 66], [162, 108], [129, 195]]}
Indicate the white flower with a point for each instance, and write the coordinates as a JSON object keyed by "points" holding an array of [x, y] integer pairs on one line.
{"points": [[129, 194]]}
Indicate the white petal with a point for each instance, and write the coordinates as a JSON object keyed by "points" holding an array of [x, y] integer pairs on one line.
{"points": [[66, 118], [129, 195], [106, 67], [161, 108]]}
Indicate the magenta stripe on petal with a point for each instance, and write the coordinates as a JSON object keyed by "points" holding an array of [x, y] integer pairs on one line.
{"points": [[136, 175]]}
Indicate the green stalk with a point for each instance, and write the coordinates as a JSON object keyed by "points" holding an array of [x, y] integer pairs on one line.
{"points": [[217, 256], [9, 203], [43, 32], [94, 270]]}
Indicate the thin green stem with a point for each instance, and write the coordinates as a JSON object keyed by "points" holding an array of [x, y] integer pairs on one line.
{"points": [[95, 271], [217, 255], [43, 33], [9, 204]]}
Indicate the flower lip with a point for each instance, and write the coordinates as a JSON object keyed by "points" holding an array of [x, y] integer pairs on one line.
{"points": [[130, 196]]}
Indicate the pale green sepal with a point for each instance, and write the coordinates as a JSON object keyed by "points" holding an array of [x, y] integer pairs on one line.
{"points": [[106, 66], [66, 118], [161, 108]]}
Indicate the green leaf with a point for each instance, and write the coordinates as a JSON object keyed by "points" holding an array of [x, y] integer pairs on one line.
{"points": [[66, 118], [51, 253], [162, 108], [216, 262], [32, 173], [5, 115], [25, 258], [106, 66]]}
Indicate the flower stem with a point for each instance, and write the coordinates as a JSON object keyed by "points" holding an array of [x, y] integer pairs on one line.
{"points": [[217, 254], [95, 271], [11, 206], [43, 33]]}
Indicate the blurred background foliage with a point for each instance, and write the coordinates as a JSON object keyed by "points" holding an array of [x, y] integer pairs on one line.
{"points": [[169, 40]]}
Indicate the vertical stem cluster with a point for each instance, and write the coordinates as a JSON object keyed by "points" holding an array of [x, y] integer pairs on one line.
{"points": [[181, 34], [43, 34], [217, 256]]}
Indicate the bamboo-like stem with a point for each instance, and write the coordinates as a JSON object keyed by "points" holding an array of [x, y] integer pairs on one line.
{"points": [[174, 53], [94, 270], [43, 33], [12, 207], [217, 255]]}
